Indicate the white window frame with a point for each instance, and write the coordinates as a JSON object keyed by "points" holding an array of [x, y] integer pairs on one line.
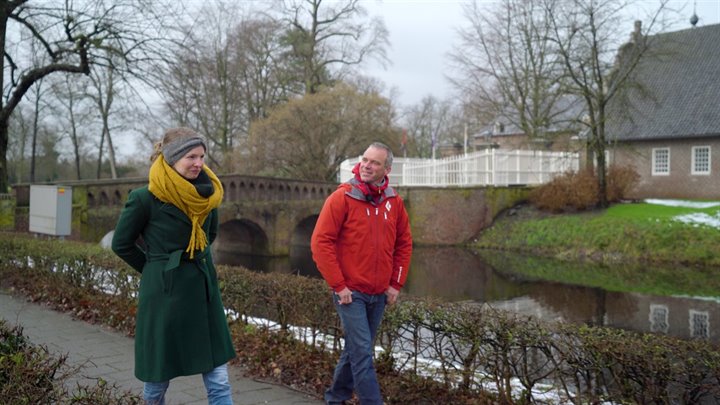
{"points": [[693, 318], [659, 318], [655, 172], [607, 159], [693, 168]]}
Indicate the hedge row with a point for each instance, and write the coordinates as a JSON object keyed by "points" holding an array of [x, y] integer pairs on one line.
{"points": [[431, 351]]}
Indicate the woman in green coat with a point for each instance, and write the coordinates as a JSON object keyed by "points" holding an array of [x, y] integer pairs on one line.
{"points": [[181, 327]]}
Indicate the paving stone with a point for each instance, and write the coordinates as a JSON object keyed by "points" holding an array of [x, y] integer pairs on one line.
{"points": [[106, 354]]}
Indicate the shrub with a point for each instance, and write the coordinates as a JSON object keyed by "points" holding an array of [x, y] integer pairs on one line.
{"points": [[544, 197], [30, 375], [582, 190], [620, 180], [579, 190]]}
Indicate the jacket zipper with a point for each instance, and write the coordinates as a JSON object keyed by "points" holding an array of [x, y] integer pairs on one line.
{"points": [[377, 243]]}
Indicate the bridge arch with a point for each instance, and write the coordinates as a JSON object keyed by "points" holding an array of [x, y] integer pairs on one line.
{"points": [[303, 232], [242, 236], [300, 256]]}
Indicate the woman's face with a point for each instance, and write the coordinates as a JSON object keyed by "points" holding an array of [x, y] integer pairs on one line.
{"points": [[190, 165]]}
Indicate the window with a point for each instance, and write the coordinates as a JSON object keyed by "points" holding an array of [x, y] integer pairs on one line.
{"points": [[661, 161], [659, 318], [700, 160], [699, 324], [607, 159]]}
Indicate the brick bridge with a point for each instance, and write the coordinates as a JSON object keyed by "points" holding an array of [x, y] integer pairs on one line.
{"points": [[267, 216]]}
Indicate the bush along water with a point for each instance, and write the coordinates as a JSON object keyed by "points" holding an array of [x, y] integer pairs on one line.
{"points": [[428, 352]]}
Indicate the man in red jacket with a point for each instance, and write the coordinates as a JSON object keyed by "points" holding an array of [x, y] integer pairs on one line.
{"points": [[362, 246]]}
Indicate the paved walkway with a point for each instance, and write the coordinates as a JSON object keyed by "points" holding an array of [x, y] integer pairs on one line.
{"points": [[108, 354]]}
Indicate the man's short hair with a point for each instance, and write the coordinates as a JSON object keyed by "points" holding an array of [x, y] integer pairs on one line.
{"points": [[389, 159]]}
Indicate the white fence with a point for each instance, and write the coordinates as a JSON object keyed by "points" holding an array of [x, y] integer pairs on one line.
{"points": [[490, 167]]}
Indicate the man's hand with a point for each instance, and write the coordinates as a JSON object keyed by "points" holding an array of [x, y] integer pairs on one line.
{"points": [[391, 295], [344, 296]]}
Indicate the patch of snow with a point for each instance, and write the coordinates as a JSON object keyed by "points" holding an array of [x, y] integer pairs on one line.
{"points": [[683, 203], [695, 219], [700, 218], [106, 241]]}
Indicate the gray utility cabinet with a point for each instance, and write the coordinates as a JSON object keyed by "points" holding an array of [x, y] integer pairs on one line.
{"points": [[51, 210]]}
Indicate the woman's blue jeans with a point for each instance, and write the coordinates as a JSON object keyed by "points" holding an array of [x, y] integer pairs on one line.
{"points": [[355, 370], [216, 384]]}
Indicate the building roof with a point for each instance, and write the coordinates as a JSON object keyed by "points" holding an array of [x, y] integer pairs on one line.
{"points": [[679, 89], [566, 112]]}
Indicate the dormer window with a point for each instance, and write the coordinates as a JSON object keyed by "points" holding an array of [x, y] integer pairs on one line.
{"points": [[498, 128]]}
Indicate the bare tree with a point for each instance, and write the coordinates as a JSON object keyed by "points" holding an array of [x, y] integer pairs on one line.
{"points": [[104, 86], [263, 62], [37, 92], [228, 76], [587, 35], [203, 85], [526, 56], [74, 36], [19, 126], [72, 113], [326, 35], [427, 124], [507, 63]]}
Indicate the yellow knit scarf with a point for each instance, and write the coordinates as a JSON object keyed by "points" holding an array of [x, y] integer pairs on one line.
{"points": [[170, 187]]}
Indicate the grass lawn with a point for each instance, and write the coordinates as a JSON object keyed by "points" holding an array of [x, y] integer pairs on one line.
{"points": [[662, 212], [638, 247]]}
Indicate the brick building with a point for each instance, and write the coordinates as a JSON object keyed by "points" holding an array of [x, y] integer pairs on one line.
{"points": [[668, 127]]}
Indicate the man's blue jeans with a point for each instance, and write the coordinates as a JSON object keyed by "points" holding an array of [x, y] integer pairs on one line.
{"points": [[355, 370], [216, 382]]}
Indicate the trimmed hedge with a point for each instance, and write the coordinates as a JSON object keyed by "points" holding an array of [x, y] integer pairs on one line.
{"points": [[432, 352]]}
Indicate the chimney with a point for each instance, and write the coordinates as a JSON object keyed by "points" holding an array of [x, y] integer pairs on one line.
{"points": [[637, 34]]}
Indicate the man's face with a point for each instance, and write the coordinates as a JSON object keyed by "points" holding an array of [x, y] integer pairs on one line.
{"points": [[372, 165]]}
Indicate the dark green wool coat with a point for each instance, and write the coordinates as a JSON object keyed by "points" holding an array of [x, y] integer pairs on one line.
{"points": [[181, 327]]}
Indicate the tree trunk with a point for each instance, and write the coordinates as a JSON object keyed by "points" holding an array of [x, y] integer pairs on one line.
{"points": [[75, 142], [100, 154], [23, 144], [36, 117], [104, 105], [602, 164], [73, 128], [111, 150], [602, 180], [4, 186], [4, 118]]}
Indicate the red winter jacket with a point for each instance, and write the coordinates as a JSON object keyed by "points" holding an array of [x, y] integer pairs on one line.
{"points": [[360, 245]]}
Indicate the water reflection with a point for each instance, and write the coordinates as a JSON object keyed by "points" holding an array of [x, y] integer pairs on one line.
{"points": [[456, 274], [299, 262]]}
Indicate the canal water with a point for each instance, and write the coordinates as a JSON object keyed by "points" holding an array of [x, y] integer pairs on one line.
{"points": [[456, 274]]}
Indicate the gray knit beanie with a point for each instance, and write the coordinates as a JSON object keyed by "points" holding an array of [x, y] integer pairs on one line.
{"points": [[181, 144]]}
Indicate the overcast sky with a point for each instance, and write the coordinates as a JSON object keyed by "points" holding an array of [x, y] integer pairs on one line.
{"points": [[422, 32]]}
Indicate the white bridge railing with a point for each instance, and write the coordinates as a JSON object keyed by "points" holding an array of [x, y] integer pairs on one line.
{"points": [[490, 167]]}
